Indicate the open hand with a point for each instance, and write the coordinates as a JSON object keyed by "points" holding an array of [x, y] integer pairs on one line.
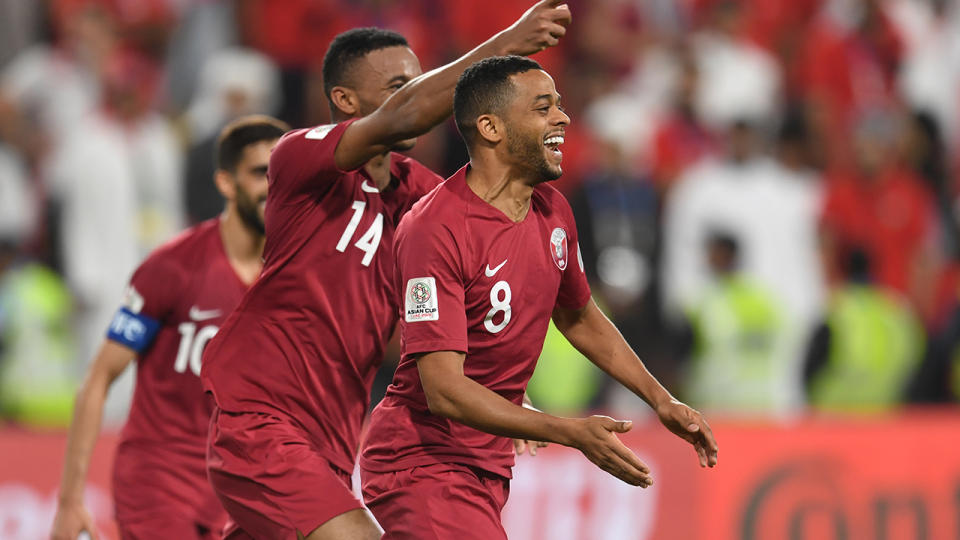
{"points": [[689, 425], [540, 27], [596, 438]]}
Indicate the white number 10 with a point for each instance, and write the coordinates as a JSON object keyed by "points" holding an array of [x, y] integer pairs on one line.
{"points": [[370, 241]]}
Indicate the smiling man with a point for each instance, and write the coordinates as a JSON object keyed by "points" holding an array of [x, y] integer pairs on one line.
{"points": [[291, 369], [483, 262]]}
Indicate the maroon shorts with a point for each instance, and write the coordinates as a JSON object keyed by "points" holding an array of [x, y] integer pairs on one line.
{"points": [[164, 528], [443, 501], [271, 479]]}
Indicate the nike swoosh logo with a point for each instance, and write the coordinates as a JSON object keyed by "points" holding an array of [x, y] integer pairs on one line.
{"points": [[491, 272], [368, 188], [198, 314]]}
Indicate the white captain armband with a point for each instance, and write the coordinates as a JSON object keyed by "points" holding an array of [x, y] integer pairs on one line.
{"points": [[135, 330]]}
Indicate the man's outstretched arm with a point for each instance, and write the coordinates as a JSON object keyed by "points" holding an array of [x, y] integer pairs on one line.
{"points": [[72, 516], [592, 333], [453, 395], [428, 99]]}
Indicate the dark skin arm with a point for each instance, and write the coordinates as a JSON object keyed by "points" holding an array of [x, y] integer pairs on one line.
{"points": [[72, 516], [453, 395], [592, 333], [427, 100]]}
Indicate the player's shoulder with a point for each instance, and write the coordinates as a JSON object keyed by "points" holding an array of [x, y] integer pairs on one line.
{"points": [[440, 209], [294, 142], [548, 200]]}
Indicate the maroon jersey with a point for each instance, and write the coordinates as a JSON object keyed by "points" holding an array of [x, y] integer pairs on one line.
{"points": [[473, 281], [174, 303], [308, 337]]}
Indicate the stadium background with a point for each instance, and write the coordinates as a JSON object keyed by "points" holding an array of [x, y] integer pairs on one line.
{"points": [[766, 192]]}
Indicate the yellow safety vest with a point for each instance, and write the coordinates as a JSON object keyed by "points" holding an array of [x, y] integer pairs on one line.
{"points": [[875, 344]]}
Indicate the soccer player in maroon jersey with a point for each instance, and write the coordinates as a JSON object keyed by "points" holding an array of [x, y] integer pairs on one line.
{"points": [[173, 305], [291, 369], [483, 262]]}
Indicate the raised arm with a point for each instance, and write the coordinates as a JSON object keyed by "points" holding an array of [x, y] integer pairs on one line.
{"points": [[72, 516], [453, 395], [592, 333], [428, 99]]}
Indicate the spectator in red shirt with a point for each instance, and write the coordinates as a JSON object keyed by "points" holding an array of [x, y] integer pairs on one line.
{"points": [[881, 205]]}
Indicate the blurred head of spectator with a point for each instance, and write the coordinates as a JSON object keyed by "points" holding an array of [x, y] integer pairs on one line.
{"points": [[727, 17], [130, 85], [875, 139], [793, 142], [234, 82], [723, 254], [680, 139], [87, 29], [740, 142]]}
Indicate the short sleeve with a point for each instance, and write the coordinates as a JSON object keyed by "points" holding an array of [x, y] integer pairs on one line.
{"points": [[429, 273], [148, 300], [574, 290], [303, 164]]}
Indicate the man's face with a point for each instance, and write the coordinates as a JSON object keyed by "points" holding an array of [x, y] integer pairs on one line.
{"points": [[379, 74], [535, 125], [250, 179]]}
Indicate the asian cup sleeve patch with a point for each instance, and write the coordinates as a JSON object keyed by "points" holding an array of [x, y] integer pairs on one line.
{"points": [[135, 330], [420, 300]]}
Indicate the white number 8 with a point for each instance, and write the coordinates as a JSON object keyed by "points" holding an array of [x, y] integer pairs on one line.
{"points": [[498, 306]]}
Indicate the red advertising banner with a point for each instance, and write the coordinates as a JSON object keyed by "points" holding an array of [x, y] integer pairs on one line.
{"points": [[890, 478]]}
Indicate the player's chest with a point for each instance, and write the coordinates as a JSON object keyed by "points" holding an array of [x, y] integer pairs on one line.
{"points": [[360, 220], [199, 312], [517, 265]]}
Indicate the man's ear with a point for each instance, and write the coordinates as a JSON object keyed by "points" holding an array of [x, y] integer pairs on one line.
{"points": [[491, 128], [345, 99], [225, 184]]}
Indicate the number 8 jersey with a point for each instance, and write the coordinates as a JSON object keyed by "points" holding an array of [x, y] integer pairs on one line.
{"points": [[173, 305], [472, 281]]}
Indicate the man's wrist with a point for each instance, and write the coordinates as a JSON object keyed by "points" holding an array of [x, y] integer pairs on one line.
{"points": [[500, 44], [70, 499], [661, 400], [564, 429]]}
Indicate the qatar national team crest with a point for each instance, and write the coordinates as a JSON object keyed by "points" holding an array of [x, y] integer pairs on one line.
{"points": [[558, 247]]}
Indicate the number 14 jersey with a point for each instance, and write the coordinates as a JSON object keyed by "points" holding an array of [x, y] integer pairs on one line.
{"points": [[472, 281], [308, 337]]}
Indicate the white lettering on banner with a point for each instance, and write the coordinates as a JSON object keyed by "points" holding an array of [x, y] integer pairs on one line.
{"points": [[562, 496], [26, 513]]}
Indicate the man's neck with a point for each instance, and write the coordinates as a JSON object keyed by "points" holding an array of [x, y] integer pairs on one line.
{"points": [[243, 246], [500, 186], [379, 170]]}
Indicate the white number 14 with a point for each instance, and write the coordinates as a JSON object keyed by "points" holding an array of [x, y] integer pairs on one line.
{"points": [[370, 241]]}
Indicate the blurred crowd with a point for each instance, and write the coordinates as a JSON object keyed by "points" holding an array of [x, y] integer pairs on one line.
{"points": [[766, 190]]}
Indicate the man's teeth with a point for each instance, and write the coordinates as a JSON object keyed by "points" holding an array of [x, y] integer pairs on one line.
{"points": [[553, 140]]}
